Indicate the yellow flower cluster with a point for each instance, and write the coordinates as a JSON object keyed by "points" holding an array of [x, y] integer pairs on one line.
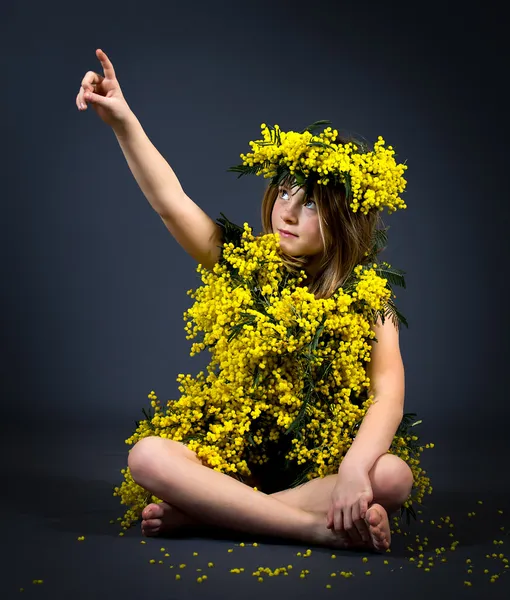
{"points": [[371, 288], [375, 179], [281, 361]]}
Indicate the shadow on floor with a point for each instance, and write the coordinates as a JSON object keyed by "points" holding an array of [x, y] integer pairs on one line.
{"points": [[76, 505]]}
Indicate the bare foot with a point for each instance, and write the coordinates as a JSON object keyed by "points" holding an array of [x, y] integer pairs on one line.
{"points": [[163, 518], [378, 527]]}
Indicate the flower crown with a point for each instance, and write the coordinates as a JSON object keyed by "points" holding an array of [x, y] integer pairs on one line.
{"points": [[372, 179]]}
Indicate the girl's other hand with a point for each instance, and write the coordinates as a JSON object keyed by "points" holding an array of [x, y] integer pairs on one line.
{"points": [[104, 94], [350, 499]]}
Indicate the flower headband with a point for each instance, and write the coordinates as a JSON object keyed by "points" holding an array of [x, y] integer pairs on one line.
{"points": [[372, 179]]}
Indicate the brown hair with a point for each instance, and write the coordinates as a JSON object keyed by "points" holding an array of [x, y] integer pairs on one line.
{"points": [[346, 235]]}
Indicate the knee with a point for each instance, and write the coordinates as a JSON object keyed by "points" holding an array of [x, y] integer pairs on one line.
{"points": [[143, 455], [146, 456], [398, 478]]}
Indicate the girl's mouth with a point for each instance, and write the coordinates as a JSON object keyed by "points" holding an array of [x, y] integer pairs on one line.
{"points": [[286, 233]]}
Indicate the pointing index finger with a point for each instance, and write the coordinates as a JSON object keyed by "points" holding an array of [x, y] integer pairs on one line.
{"points": [[108, 69]]}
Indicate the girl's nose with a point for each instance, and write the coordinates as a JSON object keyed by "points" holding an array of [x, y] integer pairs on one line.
{"points": [[289, 212]]}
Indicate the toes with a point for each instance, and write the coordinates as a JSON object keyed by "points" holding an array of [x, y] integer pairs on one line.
{"points": [[373, 516], [152, 523], [152, 511], [150, 527], [378, 533], [148, 512]]}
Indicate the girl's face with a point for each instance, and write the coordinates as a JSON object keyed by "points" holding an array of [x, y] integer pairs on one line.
{"points": [[291, 212]]}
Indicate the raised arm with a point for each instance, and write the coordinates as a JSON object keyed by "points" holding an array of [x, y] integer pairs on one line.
{"points": [[193, 229]]}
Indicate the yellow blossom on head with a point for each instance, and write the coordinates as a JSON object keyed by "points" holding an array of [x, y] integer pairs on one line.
{"points": [[373, 179]]}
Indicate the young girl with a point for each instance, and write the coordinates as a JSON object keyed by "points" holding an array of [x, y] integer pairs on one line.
{"points": [[320, 233]]}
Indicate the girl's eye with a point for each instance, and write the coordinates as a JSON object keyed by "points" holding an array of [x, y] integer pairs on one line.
{"points": [[283, 191]]}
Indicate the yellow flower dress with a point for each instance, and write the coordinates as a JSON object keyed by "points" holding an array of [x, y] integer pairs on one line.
{"points": [[286, 387]]}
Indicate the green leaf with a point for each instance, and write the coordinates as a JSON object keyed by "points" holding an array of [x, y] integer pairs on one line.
{"points": [[379, 240], [193, 436], [237, 328], [320, 144], [405, 424], [409, 512], [302, 477], [396, 316], [275, 137], [315, 341], [324, 370], [300, 178], [394, 276], [256, 376], [249, 170], [149, 417], [232, 233], [304, 411], [315, 126], [282, 172], [245, 169]]}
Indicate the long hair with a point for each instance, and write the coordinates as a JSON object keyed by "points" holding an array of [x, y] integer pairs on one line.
{"points": [[346, 236]]}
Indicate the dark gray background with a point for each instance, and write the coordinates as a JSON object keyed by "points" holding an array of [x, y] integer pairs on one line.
{"points": [[94, 286]]}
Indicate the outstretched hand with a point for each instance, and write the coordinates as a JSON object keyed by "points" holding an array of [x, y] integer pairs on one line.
{"points": [[103, 92], [351, 497]]}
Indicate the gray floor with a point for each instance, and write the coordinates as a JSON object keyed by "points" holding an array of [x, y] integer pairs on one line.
{"points": [[57, 485]]}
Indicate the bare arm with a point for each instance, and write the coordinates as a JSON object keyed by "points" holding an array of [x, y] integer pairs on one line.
{"points": [[189, 224], [387, 384], [193, 229]]}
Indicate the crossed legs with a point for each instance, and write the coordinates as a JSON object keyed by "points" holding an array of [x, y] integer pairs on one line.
{"points": [[172, 472]]}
